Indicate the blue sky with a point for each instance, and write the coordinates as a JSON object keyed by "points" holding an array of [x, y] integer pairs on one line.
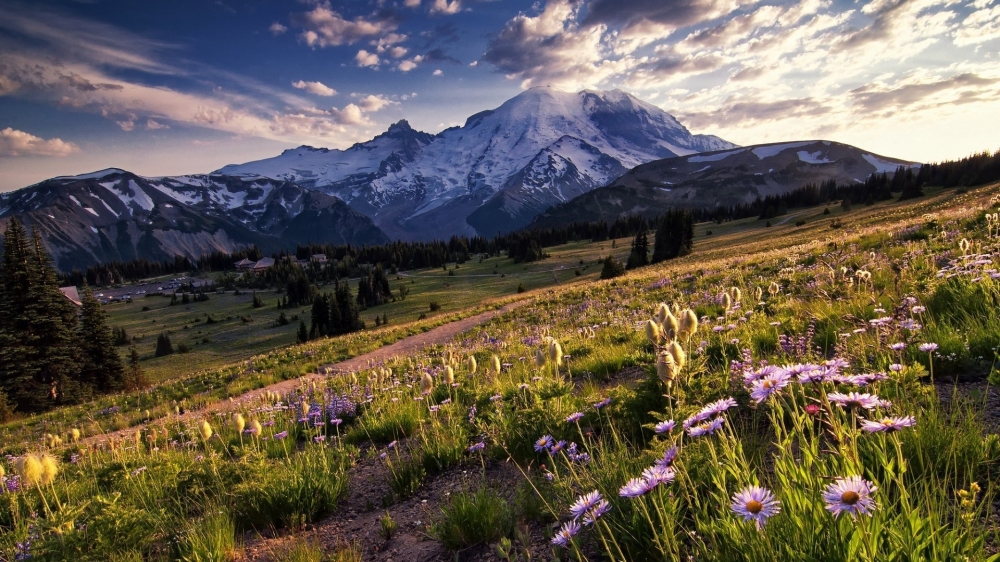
{"points": [[188, 86]]}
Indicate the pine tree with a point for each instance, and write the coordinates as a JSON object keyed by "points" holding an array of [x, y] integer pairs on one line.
{"points": [[674, 236], [163, 346], [303, 334], [639, 256], [612, 268], [15, 339], [135, 378], [102, 366]]}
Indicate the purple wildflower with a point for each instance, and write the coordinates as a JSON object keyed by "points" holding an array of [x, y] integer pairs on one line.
{"points": [[928, 347], [756, 504], [574, 417], [706, 428], [854, 400], [564, 536], [852, 495], [664, 426], [585, 503], [543, 443], [635, 487], [888, 425]]}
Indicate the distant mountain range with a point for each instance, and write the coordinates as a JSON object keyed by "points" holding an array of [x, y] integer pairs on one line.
{"points": [[720, 178], [496, 172], [543, 158], [116, 215]]}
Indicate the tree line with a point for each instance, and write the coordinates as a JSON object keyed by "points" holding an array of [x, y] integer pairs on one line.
{"points": [[52, 351]]}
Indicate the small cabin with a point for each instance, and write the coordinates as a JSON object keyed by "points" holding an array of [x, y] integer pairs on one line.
{"points": [[245, 264]]}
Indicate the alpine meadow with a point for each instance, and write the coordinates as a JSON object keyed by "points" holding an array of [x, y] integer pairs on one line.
{"points": [[461, 280]]}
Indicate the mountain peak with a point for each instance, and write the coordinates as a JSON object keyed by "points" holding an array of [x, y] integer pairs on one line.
{"points": [[94, 175], [400, 126]]}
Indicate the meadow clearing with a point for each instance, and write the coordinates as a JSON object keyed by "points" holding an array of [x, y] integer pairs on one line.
{"points": [[783, 393]]}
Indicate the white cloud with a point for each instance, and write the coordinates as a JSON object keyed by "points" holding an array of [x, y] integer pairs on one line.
{"points": [[323, 27], [364, 58], [350, 115], [152, 125], [412, 3], [408, 65], [20, 143], [316, 88], [446, 6], [277, 29], [397, 52], [127, 125], [438, 72], [371, 103]]}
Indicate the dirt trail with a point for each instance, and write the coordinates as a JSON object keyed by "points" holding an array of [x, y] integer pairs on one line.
{"points": [[435, 336]]}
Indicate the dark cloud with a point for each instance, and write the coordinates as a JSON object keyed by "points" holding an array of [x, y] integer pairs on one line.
{"points": [[675, 13], [438, 55], [442, 34], [745, 112], [872, 98]]}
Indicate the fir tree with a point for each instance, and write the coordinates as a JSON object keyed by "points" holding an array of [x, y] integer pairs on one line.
{"points": [[135, 378], [639, 256], [303, 334], [163, 346], [612, 268], [102, 366], [674, 236]]}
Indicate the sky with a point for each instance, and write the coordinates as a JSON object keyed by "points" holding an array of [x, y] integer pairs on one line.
{"points": [[187, 86]]}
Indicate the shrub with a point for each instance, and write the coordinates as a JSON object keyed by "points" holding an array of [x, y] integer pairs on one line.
{"points": [[163, 346], [213, 539], [481, 517]]}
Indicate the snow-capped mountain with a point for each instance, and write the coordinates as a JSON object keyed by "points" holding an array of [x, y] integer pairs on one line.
{"points": [[116, 215], [496, 172], [721, 178]]}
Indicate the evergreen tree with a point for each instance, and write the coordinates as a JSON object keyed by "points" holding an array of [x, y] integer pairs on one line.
{"points": [[135, 378], [612, 268], [163, 346], [102, 366], [639, 256], [303, 334], [674, 236], [257, 301], [16, 381]]}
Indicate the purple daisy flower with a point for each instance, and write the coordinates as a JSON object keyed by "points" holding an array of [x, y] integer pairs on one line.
{"points": [[281, 435], [888, 425], [574, 417], [756, 504], [596, 512], [852, 495], [668, 457], [543, 443], [602, 403], [635, 487], [477, 447], [656, 475], [928, 347], [707, 428], [664, 426], [717, 407], [557, 446], [854, 400], [585, 503], [768, 386], [900, 346], [565, 534]]}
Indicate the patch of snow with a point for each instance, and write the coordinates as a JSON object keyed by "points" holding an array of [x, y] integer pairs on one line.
{"points": [[94, 229], [91, 211], [714, 157], [105, 203], [74, 199], [770, 150], [702, 170], [881, 166], [812, 157]]}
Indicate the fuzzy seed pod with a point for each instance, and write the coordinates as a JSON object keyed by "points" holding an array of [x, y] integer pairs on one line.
{"points": [[661, 312], [256, 428], [50, 469], [670, 327], [773, 288], [759, 293], [304, 406], [426, 384], [2, 472], [736, 293], [556, 353], [449, 375], [496, 364], [239, 423], [677, 352], [676, 308], [29, 468], [727, 301], [653, 332], [964, 245], [472, 365], [137, 436], [206, 430], [666, 369], [177, 410], [539, 358], [74, 435], [688, 324]]}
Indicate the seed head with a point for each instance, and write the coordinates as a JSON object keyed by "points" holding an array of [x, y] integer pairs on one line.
{"points": [[677, 352], [666, 367], [773, 288], [662, 311], [653, 332], [496, 364], [964, 245], [736, 293], [670, 327], [759, 293], [727, 301], [29, 468], [206, 430], [539, 358], [472, 365], [74, 435], [555, 353], [449, 374], [688, 324], [239, 423], [426, 383], [2, 472], [50, 469], [256, 428]]}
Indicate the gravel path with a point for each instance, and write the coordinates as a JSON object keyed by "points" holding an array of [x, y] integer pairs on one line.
{"points": [[435, 336]]}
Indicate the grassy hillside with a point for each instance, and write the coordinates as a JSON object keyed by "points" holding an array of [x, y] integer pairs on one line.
{"points": [[569, 428]]}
